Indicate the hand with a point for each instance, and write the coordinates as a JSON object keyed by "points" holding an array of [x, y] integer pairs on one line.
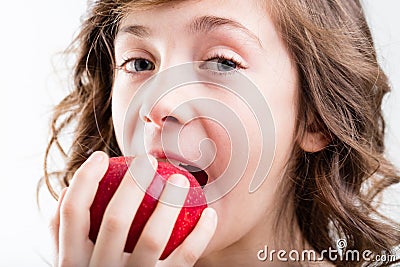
{"points": [[71, 222]]}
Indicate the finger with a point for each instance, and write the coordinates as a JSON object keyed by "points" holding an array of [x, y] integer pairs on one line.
{"points": [[159, 227], [55, 221], [75, 246], [118, 217], [55, 225], [194, 245]]}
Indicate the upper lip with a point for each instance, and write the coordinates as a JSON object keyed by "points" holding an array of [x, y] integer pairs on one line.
{"points": [[183, 163], [160, 154]]}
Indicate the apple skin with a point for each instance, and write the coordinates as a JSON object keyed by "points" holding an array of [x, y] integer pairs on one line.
{"points": [[187, 219]]}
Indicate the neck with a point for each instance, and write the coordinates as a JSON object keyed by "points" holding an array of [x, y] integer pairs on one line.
{"points": [[261, 246], [267, 233]]}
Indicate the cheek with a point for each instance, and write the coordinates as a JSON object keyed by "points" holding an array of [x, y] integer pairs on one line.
{"points": [[220, 138], [121, 98], [281, 92], [247, 211], [284, 112]]}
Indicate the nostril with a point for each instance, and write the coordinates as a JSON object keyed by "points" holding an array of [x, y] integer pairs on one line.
{"points": [[170, 119], [146, 119]]}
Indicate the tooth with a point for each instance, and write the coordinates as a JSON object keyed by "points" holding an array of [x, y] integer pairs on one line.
{"points": [[190, 168], [174, 162]]}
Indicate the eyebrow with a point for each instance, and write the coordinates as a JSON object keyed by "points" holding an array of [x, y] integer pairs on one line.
{"points": [[137, 30], [200, 24], [210, 23]]}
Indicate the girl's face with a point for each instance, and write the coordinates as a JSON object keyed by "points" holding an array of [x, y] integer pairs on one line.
{"points": [[234, 34]]}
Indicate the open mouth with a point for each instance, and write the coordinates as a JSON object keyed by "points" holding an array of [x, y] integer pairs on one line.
{"points": [[200, 175]]}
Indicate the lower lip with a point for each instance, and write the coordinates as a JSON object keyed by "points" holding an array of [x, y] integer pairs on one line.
{"points": [[203, 179]]}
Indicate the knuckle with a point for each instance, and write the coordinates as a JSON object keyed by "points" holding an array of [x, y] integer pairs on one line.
{"points": [[112, 223], [151, 243], [83, 171], [189, 256], [68, 210]]}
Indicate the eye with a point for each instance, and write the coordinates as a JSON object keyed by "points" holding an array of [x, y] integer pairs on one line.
{"points": [[224, 64], [221, 64], [137, 65]]}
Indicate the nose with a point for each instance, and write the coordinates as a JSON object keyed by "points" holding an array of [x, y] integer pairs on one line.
{"points": [[172, 107], [159, 114], [165, 99]]}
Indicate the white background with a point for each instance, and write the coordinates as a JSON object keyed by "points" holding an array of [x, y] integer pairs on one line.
{"points": [[32, 33]]}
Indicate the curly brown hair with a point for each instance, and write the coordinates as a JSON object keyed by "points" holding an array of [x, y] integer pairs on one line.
{"points": [[340, 95]]}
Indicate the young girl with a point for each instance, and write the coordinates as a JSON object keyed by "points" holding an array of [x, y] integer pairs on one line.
{"points": [[315, 65]]}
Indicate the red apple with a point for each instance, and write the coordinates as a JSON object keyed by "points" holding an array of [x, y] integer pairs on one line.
{"points": [[188, 217]]}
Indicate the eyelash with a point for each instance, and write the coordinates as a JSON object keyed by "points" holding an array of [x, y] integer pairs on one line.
{"points": [[239, 64], [125, 61]]}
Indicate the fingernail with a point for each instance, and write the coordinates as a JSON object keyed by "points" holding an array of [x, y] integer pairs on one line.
{"points": [[153, 161], [210, 214], [97, 157], [142, 170], [179, 180]]}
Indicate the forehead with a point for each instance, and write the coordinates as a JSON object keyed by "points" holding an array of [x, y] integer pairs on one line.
{"points": [[174, 10], [151, 17], [151, 4]]}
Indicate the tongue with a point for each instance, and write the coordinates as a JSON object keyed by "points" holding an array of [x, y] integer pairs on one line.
{"points": [[200, 175]]}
